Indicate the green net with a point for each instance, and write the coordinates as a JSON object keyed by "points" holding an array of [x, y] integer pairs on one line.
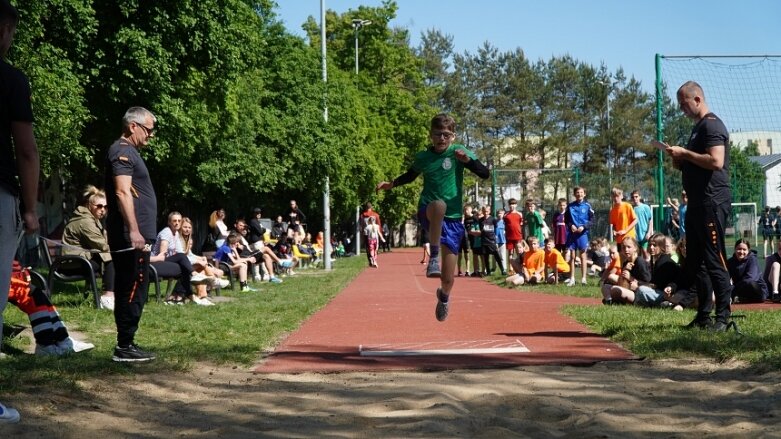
{"points": [[745, 92]]}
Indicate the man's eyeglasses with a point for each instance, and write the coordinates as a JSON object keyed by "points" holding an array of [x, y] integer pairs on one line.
{"points": [[442, 135], [101, 206], [150, 132]]}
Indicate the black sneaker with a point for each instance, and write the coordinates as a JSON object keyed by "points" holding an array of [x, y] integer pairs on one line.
{"points": [[607, 302], [131, 354], [442, 307], [776, 298], [699, 323], [718, 326]]}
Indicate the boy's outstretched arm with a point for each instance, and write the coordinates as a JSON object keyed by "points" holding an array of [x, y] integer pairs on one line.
{"points": [[473, 165], [407, 177]]}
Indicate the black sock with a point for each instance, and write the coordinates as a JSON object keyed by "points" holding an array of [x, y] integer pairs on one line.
{"points": [[434, 251]]}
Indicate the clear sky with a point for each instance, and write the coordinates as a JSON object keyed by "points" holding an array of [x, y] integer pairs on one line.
{"points": [[620, 33]]}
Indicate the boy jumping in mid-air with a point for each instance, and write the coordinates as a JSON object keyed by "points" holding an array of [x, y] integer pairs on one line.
{"points": [[439, 208]]}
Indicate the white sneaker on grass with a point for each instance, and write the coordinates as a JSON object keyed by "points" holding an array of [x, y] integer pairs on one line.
{"points": [[71, 345], [203, 301], [51, 350], [9, 415]]}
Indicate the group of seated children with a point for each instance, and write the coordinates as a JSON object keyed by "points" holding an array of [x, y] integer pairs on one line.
{"points": [[535, 265], [626, 277]]}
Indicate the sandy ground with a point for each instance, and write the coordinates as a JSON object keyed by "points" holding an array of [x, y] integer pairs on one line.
{"points": [[620, 399]]}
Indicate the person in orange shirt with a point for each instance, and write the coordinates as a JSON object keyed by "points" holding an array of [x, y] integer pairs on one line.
{"points": [[554, 261], [533, 267], [622, 217]]}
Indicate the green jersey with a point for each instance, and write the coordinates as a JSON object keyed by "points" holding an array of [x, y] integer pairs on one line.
{"points": [[443, 178], [534, 221]]}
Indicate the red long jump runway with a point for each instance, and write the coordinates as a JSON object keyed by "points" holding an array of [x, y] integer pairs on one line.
{"points": [[384, 320]]}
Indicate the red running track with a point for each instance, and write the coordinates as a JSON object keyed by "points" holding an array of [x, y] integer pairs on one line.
{"points": [[392, 309]]}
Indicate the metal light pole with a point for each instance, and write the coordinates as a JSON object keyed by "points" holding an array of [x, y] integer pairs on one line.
{"points": [[357, 25], [326, 189]]}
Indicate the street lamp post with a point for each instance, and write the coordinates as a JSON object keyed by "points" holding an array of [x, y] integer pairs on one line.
{"points": [[357, 25]]}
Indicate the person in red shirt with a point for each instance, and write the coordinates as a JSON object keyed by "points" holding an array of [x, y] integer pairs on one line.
{"points": [[513, 221]]}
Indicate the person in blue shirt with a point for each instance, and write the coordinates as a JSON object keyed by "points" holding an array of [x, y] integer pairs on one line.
{"points": [[578, 218], [644, 227]]}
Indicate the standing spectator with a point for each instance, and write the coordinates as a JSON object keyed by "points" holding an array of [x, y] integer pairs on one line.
{"points": [[622, 217], [767, 227], [682, 214], [475, 242], [747, 283], [645, 226], [513, 223], [85, 230], [386, 247], [424, 242], [466, 240], [578, 218], [367, 213], [777, 223], [130, 224], [19, 166], [373, 236], [295, 219], [488, 241], [560, 228], [704, 163], [533, 220], [501, 239]]}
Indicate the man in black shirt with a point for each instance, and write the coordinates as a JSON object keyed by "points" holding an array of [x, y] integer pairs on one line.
{"points": [[19, 166], [131, 224], [704, 164]]}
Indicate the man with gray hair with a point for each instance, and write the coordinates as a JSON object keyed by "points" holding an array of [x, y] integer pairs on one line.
{"points": [[131, 226], [19, 166]]}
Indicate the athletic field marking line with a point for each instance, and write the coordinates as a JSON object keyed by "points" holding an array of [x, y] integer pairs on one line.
{"points": [[476, 347]]}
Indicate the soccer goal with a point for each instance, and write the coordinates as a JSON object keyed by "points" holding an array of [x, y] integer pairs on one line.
{"points": [[744, 91]]}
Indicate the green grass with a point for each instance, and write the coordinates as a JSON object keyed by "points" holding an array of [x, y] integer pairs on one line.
{"points": [[659, 333], [234, 332]]}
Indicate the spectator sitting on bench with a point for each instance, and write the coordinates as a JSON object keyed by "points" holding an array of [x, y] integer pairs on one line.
{"points": [[278, 229], [284, 251], [229, 253], [217, 227], [258, 253], [85, 230], [200, 265], [168, 262]]}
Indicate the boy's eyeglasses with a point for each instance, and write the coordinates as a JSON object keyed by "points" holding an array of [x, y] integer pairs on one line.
{"points": [[100, 206], [442, 135]]}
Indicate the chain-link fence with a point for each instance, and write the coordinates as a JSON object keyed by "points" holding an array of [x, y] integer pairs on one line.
{"points": [[547, 186]]}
